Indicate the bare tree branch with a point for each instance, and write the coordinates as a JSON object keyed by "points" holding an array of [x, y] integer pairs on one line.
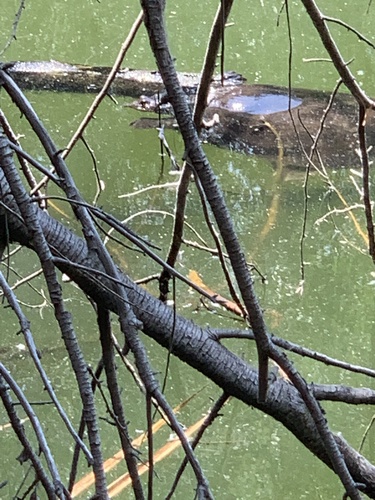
{"points": [[194, 154], [13, 35], [320, 23], [57, 489]]}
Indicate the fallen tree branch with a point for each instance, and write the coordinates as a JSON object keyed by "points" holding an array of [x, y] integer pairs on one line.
{"points": [[191, 343]]}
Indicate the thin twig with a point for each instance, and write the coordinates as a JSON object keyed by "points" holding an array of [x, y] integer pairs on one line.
{"points": [[209, 63], [295, 348], [103, 92], [366, 180], [218, 244], [342, 68], [148, 188], [150, 443], [213, 414], [21, 157], [42, 442], [20, 432], [24, 324], [99, 182], [17, 19], [349, 28], [117, 410]]}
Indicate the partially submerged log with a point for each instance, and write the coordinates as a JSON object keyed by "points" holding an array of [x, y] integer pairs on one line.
{"points": [[54, 75], [253, 119]]}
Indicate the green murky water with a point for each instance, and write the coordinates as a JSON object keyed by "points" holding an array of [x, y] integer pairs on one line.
{"points": [[246, 454]]}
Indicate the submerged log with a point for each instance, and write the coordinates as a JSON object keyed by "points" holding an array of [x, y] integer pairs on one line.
{"points": [[253, 119]]}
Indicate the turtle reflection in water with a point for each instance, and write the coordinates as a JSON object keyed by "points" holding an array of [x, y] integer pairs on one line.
{"points": [[251, 117]]}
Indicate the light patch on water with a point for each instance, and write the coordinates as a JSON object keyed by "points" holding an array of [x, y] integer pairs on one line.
{"points": [[263, 104]]}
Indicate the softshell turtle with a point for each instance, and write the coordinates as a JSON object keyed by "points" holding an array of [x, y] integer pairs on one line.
{"points": [[261, 119]]}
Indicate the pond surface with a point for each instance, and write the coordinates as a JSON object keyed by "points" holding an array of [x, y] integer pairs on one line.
{"points": [[245, 454]]}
